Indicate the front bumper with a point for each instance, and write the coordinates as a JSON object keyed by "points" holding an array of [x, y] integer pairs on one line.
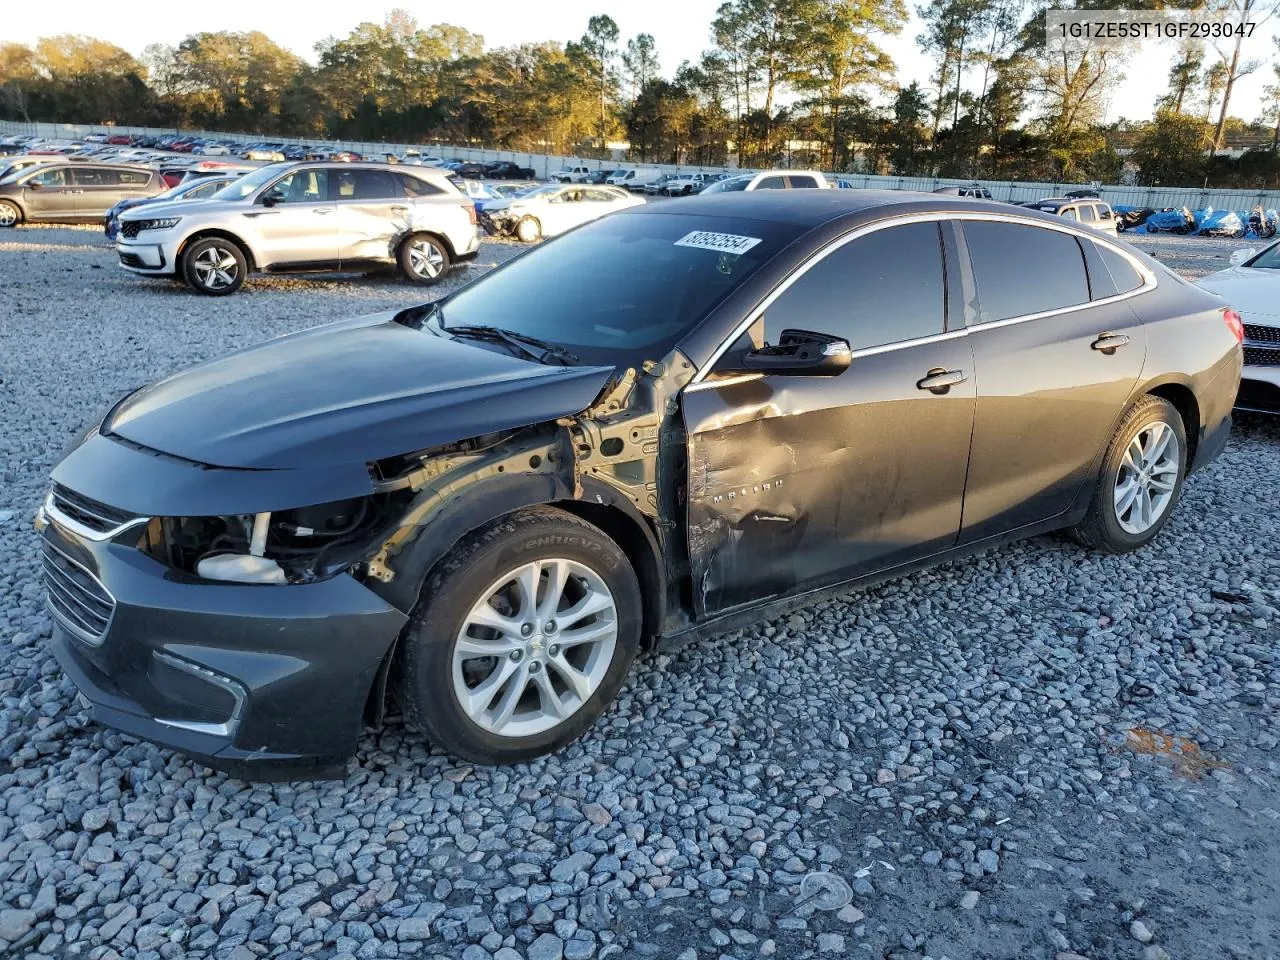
{"points": [[148, 253], [1260, 378], [265, 681]]}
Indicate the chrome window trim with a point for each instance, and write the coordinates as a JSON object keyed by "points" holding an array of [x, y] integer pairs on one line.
{"points": [[1148, 278], [227, 727], [72, 525]]}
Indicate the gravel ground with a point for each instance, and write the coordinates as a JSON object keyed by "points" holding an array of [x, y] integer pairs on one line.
{"points": [[1035, 753]]}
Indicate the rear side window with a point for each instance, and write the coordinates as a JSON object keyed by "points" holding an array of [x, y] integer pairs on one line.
{"points": [[1020, 270], [417, 187], [1104, 212], [883, 288], [772, 183], [1088, 213], [802, 182], [1122, 271], [96, 177], [363, 185]]}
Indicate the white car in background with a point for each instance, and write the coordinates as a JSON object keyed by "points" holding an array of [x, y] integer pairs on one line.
{"points": [[555, 208], [688, 183], [771, 180], [574, 174], [1251, 287]]}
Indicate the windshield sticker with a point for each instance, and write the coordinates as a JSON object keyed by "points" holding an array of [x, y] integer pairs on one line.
{"points": [[720, 242]]}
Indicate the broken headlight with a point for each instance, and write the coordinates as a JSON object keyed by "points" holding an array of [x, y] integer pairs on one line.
{"points": [[286, 546]]}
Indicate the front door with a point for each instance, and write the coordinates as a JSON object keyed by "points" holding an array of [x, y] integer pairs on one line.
{"points": [[50, 195], [298, 227], [799, 482], [1054, 372]]}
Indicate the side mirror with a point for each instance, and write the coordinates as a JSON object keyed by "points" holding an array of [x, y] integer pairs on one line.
{"points": [[34, 185], [1240, 256], [271, 198], [801, 353]]}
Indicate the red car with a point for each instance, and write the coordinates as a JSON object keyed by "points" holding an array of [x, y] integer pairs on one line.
{"points": [[120, 140]]}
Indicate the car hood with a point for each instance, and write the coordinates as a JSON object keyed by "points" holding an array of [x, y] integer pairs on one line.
{"points": [[354, 391], [1250, 290], [178, 208]]}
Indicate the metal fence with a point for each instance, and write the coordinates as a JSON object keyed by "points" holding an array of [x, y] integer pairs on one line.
{"points": [[544, 165]]}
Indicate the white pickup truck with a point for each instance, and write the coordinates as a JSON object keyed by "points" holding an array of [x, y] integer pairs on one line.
{"points": [[688, 183], [577, 174]]}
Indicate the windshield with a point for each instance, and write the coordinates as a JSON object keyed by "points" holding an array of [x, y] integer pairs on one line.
{"points": [[621, 290], [728, 186], [1268, 259], [250, 182]]}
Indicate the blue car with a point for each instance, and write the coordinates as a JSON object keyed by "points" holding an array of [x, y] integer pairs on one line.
{"points": [[200, 189]]}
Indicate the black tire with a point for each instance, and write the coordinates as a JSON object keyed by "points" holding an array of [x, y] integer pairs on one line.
{"points": [[1100, 529], [424, 258], [200, 279], [425, 685], [10, 214]]}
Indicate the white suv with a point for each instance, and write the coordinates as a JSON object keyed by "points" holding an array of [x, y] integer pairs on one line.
{"points": [[309, 216]]}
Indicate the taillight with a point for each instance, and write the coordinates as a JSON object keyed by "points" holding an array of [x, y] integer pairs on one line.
{"points": [[1234, 324], [471, 212]]}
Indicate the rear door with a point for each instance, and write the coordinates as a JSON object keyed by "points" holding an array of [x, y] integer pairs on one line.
{"points": [[371, 214], [797, 482], [99, 189], [1055, 364]]}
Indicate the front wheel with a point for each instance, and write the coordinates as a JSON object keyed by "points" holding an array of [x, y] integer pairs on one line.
{"points": [[1141, 479], [424, 259], [528, 230], [10, 215], [522, 637], [214, 266]]}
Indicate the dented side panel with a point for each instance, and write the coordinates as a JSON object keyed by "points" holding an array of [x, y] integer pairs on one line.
{"points": [[796, 482]]}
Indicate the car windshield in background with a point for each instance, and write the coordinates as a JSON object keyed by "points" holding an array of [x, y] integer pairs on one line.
{"points": [[250, 182], [621, 290], [1268, 259]]}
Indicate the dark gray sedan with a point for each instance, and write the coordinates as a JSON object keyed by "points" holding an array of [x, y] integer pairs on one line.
{"points": [[664, 423]]}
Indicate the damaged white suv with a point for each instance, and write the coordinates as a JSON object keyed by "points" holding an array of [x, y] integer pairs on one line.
{"points": [[305, 217]]}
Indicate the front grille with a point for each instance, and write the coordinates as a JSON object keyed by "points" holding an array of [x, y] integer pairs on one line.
{"points": [[77, 598], [1262, 356], [130, 228], [1261, 334], [88, 512]]}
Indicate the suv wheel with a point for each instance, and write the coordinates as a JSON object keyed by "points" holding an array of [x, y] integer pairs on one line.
{"points": [[528, 230], [1141, 479], [10, 215], [214, 266], [424, 259], [523, 636]]}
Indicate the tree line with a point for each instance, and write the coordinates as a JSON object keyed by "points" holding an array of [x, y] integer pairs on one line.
{"points": [[783, 82]]}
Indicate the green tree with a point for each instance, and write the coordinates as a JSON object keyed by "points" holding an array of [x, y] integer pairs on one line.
{"points": [[641, 62], [1171, 150], [597, 51]]}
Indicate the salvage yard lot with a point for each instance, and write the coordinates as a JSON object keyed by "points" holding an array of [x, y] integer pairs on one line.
{"points": [[1030, 753]]}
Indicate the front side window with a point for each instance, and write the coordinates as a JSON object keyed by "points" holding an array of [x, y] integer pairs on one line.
{"points": [[50, 178], [302, 186], [1069, 213], [1104, 212], [772, 183], [1021, 269], [883, 288], [802, 182]]}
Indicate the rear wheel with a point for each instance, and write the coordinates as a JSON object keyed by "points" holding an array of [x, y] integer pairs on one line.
{"points": [[10, 215], [1141, 479], [521, 639], [424, 259], [215, 266]]}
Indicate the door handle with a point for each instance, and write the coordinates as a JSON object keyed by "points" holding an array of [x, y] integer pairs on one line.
{"points": [[1108, 343], [262, 213], [939, 381], [322, 211], [400, 209]]}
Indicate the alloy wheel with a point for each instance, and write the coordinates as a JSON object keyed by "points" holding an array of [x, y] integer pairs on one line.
{"points": [[8, 215], [535, 647], [1147, 478], [426, 259], [216, 267], [527, 230]]}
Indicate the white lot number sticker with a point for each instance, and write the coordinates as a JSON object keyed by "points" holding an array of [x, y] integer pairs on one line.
{"points": [[720, 242]]}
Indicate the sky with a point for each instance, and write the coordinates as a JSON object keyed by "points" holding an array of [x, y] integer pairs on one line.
{"points": [[680, 27]]}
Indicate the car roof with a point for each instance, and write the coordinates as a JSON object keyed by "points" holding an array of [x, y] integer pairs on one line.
{"points": [[811, 208]]}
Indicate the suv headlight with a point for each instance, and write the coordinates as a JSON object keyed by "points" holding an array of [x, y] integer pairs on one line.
{"points": [[163, 224]]}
